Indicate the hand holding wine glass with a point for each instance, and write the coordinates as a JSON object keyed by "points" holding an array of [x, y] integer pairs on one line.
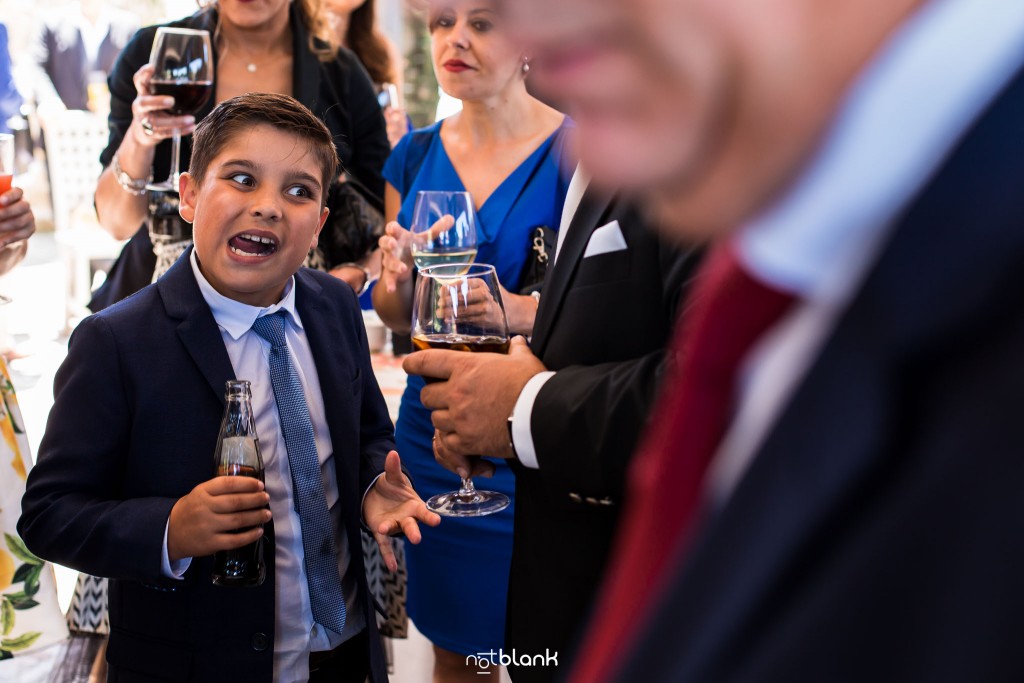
{"points": [[182, 68], [396, 250], [17, 222], [458, 307]]}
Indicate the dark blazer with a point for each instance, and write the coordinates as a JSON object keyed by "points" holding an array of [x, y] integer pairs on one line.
{"points": [[136, 414], [876, 535], [602, 324]]}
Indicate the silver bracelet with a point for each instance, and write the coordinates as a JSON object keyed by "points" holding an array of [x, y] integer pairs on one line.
{"points": [[133, 186], [366, 272]]}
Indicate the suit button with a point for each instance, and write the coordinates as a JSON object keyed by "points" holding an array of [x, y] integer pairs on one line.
{"points": [[575, 497], [260, 642]]}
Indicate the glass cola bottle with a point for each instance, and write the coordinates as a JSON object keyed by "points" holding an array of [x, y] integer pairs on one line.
{"points": [[238, 455]]}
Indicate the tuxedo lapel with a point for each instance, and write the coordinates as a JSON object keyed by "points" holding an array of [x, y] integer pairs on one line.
{"points": [[588, 218], [197, 330]]}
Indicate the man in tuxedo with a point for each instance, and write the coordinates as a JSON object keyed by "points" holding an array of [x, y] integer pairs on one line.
{"points": [[851, 511], [566, 410]]}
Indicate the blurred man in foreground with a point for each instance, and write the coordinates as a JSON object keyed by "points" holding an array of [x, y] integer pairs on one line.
{"points": [[830, 486]]}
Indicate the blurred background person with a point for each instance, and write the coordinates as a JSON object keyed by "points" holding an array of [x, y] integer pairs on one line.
{"points": [[354, 23], [830, 485], [10, 98], [507, 150], [274, 46], [74, 50]]}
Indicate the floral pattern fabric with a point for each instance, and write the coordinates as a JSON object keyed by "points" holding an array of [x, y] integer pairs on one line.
{"points": [[29, 614]]}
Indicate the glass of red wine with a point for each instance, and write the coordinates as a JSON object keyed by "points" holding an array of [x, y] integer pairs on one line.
{"points": [[457, 306], [182, 68]]}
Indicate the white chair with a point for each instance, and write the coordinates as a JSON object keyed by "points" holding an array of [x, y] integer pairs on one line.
{"points": [[74, 140]]}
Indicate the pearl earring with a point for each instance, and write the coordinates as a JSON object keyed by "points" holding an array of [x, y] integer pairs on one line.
{"points": [[526, 65]]}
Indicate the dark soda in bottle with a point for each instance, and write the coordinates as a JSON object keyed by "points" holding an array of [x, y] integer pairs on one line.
{"points": [[238, 455]]}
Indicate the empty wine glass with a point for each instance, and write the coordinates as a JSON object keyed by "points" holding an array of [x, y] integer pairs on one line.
{"points": [[458, 306], [182, 68], [443, 228]]}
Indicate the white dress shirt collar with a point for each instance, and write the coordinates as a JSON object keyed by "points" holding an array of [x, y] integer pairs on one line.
{"points": [[235, 317]]}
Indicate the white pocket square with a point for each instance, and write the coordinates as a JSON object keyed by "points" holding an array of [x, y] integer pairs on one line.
{"points": [[605, 239]]}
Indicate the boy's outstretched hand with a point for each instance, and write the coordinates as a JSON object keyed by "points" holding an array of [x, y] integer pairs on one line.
{"points": [[392, 506], [206, 520]]}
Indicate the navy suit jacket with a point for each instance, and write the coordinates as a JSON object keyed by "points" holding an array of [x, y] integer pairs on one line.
{"points": [[136, 414], [877, 534], [602, 325]]}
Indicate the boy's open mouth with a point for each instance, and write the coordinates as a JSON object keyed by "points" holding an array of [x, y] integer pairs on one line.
{"points": [[248, 244]]}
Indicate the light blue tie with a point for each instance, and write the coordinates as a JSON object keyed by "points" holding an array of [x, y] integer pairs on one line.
{"points": [[317, 535]]}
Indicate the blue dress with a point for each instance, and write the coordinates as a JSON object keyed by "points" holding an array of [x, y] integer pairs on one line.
{"points": [[458, 575]]}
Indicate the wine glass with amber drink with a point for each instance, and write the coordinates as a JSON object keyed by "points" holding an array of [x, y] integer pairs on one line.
{"points": [[457, 306], [182, 68]]}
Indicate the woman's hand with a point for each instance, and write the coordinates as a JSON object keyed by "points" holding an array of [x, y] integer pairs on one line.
{"points": [[151, 122], [520, 310], [17, 224], [396, 256]]}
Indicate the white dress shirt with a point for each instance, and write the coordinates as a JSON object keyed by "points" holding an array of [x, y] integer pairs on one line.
{"points": [[899, 121], [297, 633]]}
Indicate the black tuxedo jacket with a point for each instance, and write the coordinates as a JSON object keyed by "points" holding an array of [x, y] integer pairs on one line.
{"points": [[135, 419], [602, 325], [877, 533]]}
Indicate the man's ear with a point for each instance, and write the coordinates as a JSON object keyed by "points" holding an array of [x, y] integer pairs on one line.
{"points": [[188, 191], [316, 235]]}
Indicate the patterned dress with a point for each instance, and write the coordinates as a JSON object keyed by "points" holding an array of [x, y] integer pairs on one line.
{"points": [[29, 614]]}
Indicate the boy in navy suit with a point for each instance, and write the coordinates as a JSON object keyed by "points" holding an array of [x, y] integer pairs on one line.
{"points": [[123, 486]]}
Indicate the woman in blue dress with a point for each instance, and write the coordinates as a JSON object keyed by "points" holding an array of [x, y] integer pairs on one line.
{"points": [[507, 149]]}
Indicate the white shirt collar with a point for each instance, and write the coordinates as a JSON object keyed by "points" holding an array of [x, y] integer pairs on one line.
{"points": [[901, 118], [235, 317]]}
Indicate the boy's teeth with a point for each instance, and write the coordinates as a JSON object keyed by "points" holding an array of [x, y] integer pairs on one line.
{"points": [[257, 238]]}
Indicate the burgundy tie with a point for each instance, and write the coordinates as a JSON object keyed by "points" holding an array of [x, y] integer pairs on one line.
{"points": [[728, 312]]}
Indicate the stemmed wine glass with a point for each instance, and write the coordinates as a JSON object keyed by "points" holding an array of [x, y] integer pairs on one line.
{"points": [[182, 68], [443, 228], [457, 306]]}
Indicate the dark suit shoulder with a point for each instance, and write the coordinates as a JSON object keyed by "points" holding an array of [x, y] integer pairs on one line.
{"points": [[311, 282]]}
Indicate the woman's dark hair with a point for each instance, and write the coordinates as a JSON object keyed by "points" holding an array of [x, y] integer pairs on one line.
{"points": [[363, 38]]}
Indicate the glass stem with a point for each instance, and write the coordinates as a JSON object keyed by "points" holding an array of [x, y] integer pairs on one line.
{"points": [[467, 490], [175, 156]]}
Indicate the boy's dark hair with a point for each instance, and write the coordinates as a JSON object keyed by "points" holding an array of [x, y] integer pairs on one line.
{"points": [[244, 112]]}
